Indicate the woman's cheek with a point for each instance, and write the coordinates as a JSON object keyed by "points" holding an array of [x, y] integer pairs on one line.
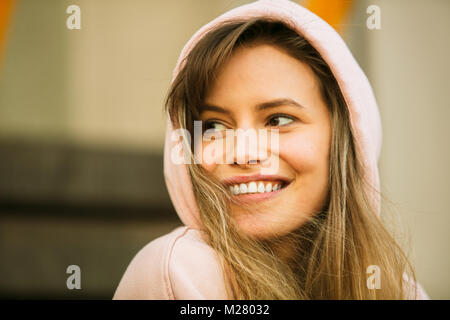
{"points": [[307, 155], [215, 153], [205, 152], [302, 151]]}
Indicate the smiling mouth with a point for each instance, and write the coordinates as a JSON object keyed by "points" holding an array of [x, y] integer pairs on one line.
{"points": [[257, 187]]}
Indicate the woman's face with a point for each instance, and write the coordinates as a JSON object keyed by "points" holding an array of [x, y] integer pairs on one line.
{"points": [[251, 77]]}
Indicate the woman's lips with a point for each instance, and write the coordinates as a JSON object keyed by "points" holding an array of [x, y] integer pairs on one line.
{"points": [[255, 188], [256, 177], [257, 197]]}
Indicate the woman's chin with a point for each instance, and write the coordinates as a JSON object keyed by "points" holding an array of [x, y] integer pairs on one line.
{"points": [[262, 225]]}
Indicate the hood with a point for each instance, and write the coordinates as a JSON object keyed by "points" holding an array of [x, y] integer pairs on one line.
{"points": [[358, 94]]}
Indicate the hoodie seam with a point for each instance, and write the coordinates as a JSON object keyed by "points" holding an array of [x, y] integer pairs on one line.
{"points": [[168, 283]]}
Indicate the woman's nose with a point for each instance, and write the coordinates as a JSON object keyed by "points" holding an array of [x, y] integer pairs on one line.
{"points": [[253, 153], [248, 162]]}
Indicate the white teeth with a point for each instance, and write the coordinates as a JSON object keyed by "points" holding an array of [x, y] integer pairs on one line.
{"points": [[261, 188], [254, 187]]}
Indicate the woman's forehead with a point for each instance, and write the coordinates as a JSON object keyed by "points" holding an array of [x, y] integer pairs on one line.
{"points": [[260, 77]]}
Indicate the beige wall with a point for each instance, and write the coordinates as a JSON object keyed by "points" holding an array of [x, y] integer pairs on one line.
{"points": [[409, 68], [33, 81]]}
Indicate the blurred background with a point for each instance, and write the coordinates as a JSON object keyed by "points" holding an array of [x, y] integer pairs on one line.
{"points": [[82, 131]]}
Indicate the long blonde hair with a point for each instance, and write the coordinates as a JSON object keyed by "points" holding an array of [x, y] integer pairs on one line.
{"points": [[334, 248]]}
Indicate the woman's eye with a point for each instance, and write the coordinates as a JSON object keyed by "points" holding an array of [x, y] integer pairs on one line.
{"points": [[279, 121], [217, 126]]}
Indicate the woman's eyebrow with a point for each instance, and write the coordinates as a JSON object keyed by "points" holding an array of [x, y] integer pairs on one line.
{"points": [[277, 103], [211, 107], [260, 106]]}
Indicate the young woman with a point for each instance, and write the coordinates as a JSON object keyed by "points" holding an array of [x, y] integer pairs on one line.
{"points": [[308, 226]]}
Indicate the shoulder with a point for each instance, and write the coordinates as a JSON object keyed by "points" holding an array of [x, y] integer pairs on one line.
{"points": [[177, 265], [194, 269], [414, 290], [421, 293], [146, 275]]}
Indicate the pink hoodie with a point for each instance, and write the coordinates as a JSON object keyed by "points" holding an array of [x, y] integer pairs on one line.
{"points": [[180, 265]]}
